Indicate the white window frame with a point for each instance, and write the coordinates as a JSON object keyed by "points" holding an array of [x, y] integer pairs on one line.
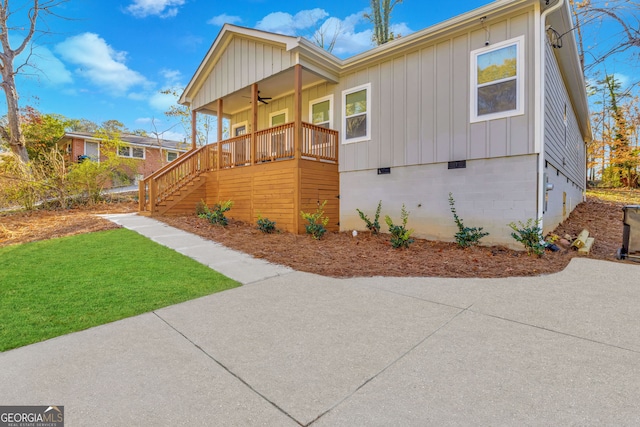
{"points": [[85, 149], [520, 79], [367, 136], [319, 101], [239, 125], [130, 156], [277, 113], [173, 152]]}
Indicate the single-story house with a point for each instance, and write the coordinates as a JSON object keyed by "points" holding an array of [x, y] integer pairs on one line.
{"points": [[150, 154], [489, 105]]}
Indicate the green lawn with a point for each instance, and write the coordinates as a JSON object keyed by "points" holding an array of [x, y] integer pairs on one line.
{"points": [[57, 286]]}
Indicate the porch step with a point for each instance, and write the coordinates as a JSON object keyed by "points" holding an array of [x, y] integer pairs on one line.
{"points": [[185, 198]]}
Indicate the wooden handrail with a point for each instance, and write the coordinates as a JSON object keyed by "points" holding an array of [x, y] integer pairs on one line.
{"points": [[275, 143]]}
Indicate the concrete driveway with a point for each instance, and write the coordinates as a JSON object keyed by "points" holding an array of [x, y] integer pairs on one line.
{"points": [[300, 349]]}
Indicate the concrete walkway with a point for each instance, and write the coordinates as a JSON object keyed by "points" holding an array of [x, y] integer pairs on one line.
{"points": [[299, 349]]}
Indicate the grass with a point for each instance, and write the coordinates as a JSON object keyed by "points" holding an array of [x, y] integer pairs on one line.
{"points": [[54, 287]]}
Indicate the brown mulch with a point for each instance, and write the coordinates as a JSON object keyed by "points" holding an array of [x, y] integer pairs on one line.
{"points": [[341, 254]]}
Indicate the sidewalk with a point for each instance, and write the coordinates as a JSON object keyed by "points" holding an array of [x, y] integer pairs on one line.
{"points": [[299, 349]]}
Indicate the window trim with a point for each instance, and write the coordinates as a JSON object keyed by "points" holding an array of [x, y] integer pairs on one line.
{"points": [[319, 101], [367, 136], [237, 125], [518, 42], [277, 113], [130, 156], [177, 153], [85, 149]]}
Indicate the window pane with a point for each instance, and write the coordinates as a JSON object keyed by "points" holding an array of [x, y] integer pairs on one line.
{"points": [[92, 150], [497, 97], [356, 102], [278, 120], [138, 153], [320, 112], [171, 156], [356, 126], [123, 151], [497, 65], [240, 130]]}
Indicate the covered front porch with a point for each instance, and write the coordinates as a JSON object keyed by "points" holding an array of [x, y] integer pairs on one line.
{"points": [[276, 152]]}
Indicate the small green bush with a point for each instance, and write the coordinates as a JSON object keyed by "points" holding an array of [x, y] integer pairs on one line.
{"points": [[373, 226], [530, 235], [317, 222], [466, 236], [216, 215], [400, 236], [266, 225]]}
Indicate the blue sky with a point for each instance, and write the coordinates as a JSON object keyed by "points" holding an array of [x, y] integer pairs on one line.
{"points": [[110, 59]]}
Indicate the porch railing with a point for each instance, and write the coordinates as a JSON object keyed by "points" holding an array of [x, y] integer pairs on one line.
{"points": [[276, 143]]}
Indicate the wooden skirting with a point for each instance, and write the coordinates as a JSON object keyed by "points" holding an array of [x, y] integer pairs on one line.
{"points": [[277, 190]]}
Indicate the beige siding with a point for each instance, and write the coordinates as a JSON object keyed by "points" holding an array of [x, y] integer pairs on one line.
{"points": [[420, 104], [286, 103], [243, 63]]}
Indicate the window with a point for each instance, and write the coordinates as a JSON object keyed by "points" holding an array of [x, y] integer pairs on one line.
{"points": [[133, 152], [92, 150], [171, 156], [321, 112], [356, 104], [497, 80], [280, 145], [239, 129]]}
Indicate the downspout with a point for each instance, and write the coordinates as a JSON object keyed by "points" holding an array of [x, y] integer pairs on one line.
{"points": [[540, 121]]}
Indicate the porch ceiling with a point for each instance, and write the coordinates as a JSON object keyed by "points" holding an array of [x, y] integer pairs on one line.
{"points": [[274, 87]]}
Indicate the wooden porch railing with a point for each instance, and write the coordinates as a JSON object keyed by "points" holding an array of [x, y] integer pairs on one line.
{"points": [[276, 143]]}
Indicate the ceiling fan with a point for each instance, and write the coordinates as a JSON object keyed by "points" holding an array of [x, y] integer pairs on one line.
{"points": [[261, 99]]}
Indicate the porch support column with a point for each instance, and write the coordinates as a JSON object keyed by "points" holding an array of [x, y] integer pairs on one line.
{"points": [[219, 136], [194, 129], [254, 120], [297, 110]]}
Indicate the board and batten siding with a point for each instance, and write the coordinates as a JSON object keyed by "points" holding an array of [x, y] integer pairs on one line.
{"points": [[244, 62], [420, 104], [564, 145]]}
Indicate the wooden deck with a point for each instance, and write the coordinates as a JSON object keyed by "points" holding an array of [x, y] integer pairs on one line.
{"points": [[267, 177]]}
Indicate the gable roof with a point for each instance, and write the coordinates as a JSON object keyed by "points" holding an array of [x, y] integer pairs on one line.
{"points": [[136, 140]]}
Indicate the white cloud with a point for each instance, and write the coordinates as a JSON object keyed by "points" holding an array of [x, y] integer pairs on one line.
{"points": [[220, 20], [161, 101], [285, 23], [100, 63], [48, 67], [171, 77], [161, 8]]}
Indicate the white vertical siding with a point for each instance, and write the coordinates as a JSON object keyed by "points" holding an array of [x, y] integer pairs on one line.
{"points": [[420, 104]]}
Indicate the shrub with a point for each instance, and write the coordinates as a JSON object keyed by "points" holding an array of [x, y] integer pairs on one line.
{"points": [[400, 236], [266, 225], [373, 226], [216, 215], [530, 235], [317, 221], [466, 236]]}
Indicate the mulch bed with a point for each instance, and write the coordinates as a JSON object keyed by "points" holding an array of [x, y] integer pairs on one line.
{"points": [[341, 254]]}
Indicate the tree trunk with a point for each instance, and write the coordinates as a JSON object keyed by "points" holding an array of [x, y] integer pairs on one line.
{"points": [[16, 138]]}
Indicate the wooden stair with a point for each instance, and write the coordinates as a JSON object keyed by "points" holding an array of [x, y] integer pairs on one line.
{"points": [[184, 199]]}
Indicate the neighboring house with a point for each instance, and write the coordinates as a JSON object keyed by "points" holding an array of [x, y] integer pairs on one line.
{"points": [[489, 105], [151, 154]]}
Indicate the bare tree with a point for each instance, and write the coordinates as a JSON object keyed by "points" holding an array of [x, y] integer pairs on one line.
{"points": [[326, 35], [12, 133], [379, 17]]}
